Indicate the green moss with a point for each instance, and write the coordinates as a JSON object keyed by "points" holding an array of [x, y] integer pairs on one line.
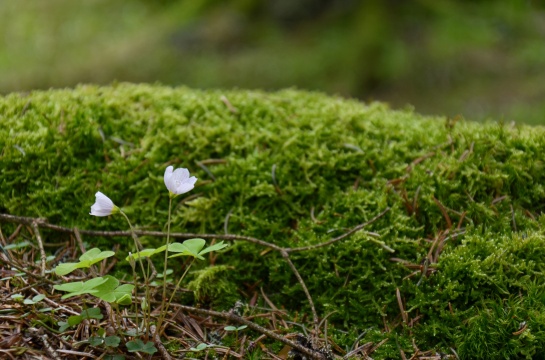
{"points": [[211, 284], [340, 159]]}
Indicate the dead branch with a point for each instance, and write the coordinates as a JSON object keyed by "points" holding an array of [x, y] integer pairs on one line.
{"points": [[40, 246]]}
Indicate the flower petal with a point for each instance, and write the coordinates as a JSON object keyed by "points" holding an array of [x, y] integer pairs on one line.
{"points": [[183, 188], [168, 178], [179, 181], [103, 206], [180, 175]]}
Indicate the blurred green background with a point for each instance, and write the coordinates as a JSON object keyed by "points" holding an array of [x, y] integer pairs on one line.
{"points": [[472, 59]]}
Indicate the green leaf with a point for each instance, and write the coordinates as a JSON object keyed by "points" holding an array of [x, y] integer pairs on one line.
{"points": [[123, 294], [34, 300], [200, 347], [17, 245], [149, 348], [96, 340], [105, 290], [86, 260], [146, 253], [112, 341], [66, 268], [79, 287], [63, 325], [74, 320], [111, 292], [169, 272], [138, 345], [124, 300], [132, 332], [234, 328], [194, 245], [95, 255], [215, 247], [17, 297], [92, 313], [189, 247]]}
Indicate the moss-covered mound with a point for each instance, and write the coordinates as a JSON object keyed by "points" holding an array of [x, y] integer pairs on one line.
{"points": [[461, 250]]}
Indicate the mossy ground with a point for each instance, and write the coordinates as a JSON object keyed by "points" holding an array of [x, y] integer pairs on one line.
{"points": [[299, 168]]}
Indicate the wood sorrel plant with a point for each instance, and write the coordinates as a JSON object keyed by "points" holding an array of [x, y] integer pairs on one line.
{"points": [[107, 288]]}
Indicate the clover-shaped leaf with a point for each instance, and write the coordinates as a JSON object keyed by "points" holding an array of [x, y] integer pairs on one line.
{"points": [[66, 268], [194, 247], [86, 260], [96, 340], [95, 255], [80, 287], [189, 247], [93, 313], [112, 341], [104, 290], [110, 291], [34, 300], [138, 345], [215, 247]]}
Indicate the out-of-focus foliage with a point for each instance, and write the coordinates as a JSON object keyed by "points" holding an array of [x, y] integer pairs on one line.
{"points": [[474, 58]]}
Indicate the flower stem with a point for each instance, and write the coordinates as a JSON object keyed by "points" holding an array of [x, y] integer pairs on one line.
{"points": [[163, 299], [179, 282], [144, 273]]}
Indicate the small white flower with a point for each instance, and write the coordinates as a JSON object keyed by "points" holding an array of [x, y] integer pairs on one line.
{"points": [[103, 206], [178, 181]]}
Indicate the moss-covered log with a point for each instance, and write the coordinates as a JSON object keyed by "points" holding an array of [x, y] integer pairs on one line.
{"points": [[461, 250]]}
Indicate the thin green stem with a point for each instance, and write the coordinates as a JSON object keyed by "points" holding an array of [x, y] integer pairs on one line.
{"points": [[165, 264], [179, 282], [133, 267], [147, 312]]}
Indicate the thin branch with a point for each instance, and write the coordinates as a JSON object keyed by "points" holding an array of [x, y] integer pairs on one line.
{"points": [[286, 257], [443, 211], [39, 334], [228, 237], [40, 246], [79, 240], [51, 302], [157, 341], [341, 237], [39, 277]]}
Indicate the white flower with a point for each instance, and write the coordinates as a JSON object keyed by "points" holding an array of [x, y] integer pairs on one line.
{"points": [[103, 206], [178, 181]]}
